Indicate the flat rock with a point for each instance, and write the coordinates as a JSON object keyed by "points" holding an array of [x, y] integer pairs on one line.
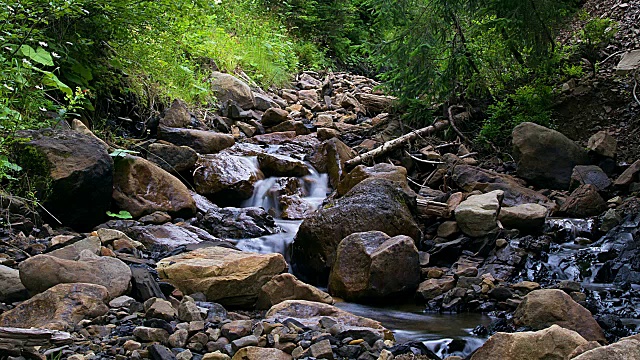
{"points": [[589, 174], [477, 215], [526, 217], [626, 348], [378, 171], [260, 353], [204, 142]]}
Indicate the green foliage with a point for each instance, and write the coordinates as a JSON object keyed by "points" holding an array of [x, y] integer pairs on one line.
{"points": [[123, 214], [594, 36], [119, 153]]}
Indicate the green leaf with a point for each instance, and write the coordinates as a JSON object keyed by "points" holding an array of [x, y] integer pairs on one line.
{"points": [[122, 152], [41, 56], [123, 214], [50, 79]]}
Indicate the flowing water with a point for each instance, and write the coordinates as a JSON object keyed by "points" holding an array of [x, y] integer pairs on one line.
{"points": [[444, 334]]}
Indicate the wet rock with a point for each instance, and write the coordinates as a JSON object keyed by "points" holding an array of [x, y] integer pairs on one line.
{"points": [[225, 176], [552, 343], [274, 116], [372, 265], [140, 187], [158, 217], [73, 248], [585, 201], [543, 308], [330, 158], [169, 236], [287, 287], [477, 215], [372, 205], [602, 143], [59, 308], [589, 174], [278, 165], [260, 353], [470, 178], [151, 334], [238, 223], [42, 272], [294, 207], [626, 348], [378, 171], [177, 115], [525, 217], [227, 276], [11, 288], [172, 158], [73, 172], [229, 88], [629, 176], [204, 142], [534, 146], [431, 288]]}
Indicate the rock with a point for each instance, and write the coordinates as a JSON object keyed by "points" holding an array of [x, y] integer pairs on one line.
{"points": [[371, 266], [177, 116], [630, 62], [543, 308], [602, 143], [626, 348], [204, 142], [322, 350], [431, 288], [42, 272], [274, 116], [373, 204], [236, 329], [448, 229], [59, 308], [11, 288], [238, 223], [260, 353], [217, 355], [172, 158], [378, 171], [534, 146], [287, 287], [552, 343], [375, 104], [151, 334], [72, 173], [589, 174], [283, 166], [629, 176], [229, 88], [330, 158], [73, 249], [225, 176], [326, 134], [477, 215], [229, 277], [169, 236], [188, 310], [310, 313], [525, 217], [294, 207], [121, 302], [156, 308], [159, 352], [470, 178], [585, 201], [179, 338], [18, 213], [264, 102]]}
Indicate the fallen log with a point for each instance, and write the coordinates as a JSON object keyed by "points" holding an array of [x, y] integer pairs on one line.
{"points": [[13, 340], [395, 144]]}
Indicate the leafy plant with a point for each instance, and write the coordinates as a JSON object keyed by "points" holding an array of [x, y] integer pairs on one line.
{"points": [[120, 153], [123, 214]]}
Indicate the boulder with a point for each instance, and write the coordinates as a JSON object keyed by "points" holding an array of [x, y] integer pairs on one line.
{"points": [[631, 174], [274, 116], [372, 266], [42, 272], [169, 236], [330, 157], [141, 187], [260, 353], [72, 172], [287, 287], [225, 176], [229, 277], [176, 116], [59, 308], [229, 88], [543, 308], [554, 343], [584, 201], [626, 348], [477, 215], [470, 178], [11, 288], [602, 143], [264, 102], [373, 204], [294, 207], [378, 171], [536, 147], [525, 217], [172, 158], [204, 142], [238, 223], [72, 249], [284, 166], [432, 288], [589, 174]]}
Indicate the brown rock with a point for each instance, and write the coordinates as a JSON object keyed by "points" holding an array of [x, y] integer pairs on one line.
{"points": [[172, 158], [543, 308], [259, 353], [448, 229], [603, 143], [330, 158], [379, 171], [432, 288], [326, 134], [283, 166], [177, 115], [140, 187], [226, 176], [229, 88], [274, 116], [204, 142], [629, 175], [287, 287], [585, 201], [625, 349], [525, 217]]}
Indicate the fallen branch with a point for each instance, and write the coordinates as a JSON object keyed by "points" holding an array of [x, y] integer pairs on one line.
{"points": [[395, 144], [453, 124]]}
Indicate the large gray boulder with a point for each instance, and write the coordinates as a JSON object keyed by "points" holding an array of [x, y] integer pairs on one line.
{"points": [[72, 173], [372, 205], [546, 158], [229, 88], [371, 266]]}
